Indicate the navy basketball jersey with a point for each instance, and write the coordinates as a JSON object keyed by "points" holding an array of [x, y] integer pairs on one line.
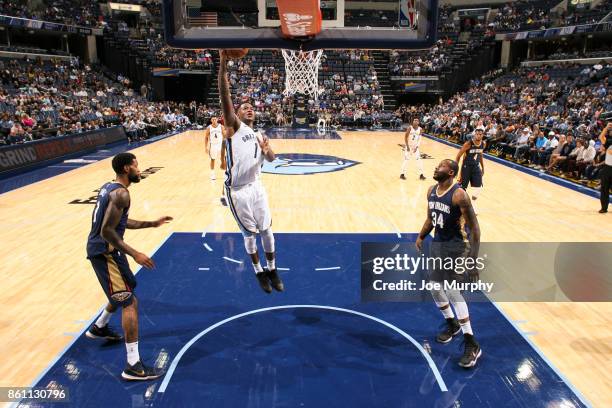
{"points": [[96, 245], [446, 217], [473, 155]]}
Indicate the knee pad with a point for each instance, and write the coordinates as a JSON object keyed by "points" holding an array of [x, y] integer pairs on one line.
{"points": [[267, 240], [250, 243]]}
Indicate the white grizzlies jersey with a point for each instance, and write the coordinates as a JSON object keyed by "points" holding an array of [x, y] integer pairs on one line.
{"points": [[414, 137], [216, 135], [244, 157]]}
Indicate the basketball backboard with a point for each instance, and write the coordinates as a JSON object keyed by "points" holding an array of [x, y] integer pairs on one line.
{"points": [[344, 24]]}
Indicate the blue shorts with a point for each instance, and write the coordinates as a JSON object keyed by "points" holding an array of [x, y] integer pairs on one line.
{"points": [[450, 256], [471, 175]]}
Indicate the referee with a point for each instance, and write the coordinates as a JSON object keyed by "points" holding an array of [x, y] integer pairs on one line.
{"points": [[606, 172]]}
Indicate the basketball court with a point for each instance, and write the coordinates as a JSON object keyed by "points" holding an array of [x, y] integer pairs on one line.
{"points": [[223, 342]]}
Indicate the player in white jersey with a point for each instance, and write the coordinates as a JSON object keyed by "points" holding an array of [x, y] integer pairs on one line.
{"points": [[213, 140], [246, 196], [412, 139]]}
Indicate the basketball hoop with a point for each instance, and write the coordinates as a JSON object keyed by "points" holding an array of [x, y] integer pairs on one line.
{"points": [[302, 72]]}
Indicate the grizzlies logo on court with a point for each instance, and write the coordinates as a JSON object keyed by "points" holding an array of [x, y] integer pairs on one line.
{"points": [[304, 163]]}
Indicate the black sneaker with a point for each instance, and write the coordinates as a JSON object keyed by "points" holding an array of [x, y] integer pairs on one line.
{"points": [[140, 372], [223, 201], [452, 329], [402, 177], [602, 211], [471, 352], [105, 332], [277, 284], [264, 281], [422, 177]]}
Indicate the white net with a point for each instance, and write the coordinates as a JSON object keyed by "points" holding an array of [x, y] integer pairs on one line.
{"points": [[302, 72]]}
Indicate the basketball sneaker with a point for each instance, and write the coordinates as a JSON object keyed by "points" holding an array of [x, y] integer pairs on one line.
{"points": [[422, 177], [452, 329], [264, 281], [105, 332], [402, 177], [471, 352], [277, 284], [139, 372], [223, 201]]}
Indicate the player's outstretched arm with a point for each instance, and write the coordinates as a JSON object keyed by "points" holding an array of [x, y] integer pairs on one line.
{"points": [[229, 116], [461, 198], [119, 200], [427, 226], [133, 224]]}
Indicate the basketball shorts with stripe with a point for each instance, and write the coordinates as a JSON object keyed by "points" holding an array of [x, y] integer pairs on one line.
{"points": [[249, 206], [115, 277]]}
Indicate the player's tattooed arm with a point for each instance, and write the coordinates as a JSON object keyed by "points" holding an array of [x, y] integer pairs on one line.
{"points": [[119, 200], [133, 224], [229, 116], [427, 226], [461, 198]]}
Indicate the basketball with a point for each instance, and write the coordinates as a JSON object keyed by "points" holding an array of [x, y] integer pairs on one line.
{"points": [[236, 53]]}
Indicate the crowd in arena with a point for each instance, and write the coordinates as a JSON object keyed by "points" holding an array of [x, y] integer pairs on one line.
{"points": [[40, 99], [346, 97], [185, 59], [523, 15], [430, 61], [71, 12], [262, 85], [548, 118]]}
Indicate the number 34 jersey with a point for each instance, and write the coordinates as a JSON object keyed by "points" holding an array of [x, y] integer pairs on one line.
{"points": [[445, 216]]}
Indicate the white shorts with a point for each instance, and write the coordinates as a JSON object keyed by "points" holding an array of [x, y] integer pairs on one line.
{"points": [[408, 153], [249, 206], [215, 152]]}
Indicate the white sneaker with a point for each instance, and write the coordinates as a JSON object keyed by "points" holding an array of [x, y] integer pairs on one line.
{"points": [[212, 176]]}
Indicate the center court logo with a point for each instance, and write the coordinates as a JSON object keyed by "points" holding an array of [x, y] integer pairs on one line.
{"points": [[304, 163]]}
